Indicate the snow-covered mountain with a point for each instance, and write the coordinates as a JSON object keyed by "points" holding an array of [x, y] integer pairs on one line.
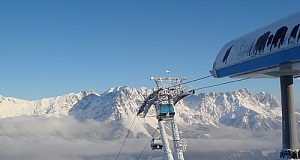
{"points": [[118, 107], [57, 106], [240, 109]]}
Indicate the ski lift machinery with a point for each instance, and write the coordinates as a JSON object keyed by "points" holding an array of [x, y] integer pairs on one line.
{"points": [[167, 93]]}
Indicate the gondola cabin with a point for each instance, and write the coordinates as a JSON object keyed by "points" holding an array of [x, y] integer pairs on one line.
{"points": [[165, 112], [156, 144]]}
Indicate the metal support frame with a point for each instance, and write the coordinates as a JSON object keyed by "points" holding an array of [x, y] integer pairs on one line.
{"points": [[168, 91], [176, 140], [289, 130], [168, 153]]}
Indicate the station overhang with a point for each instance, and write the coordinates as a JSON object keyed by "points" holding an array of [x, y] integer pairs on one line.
{"points": [[271, 51]]}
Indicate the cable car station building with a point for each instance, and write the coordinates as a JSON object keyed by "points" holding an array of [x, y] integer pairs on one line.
{"points": [[270, 52]]}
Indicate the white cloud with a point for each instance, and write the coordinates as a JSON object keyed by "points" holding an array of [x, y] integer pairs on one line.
{"points": [[37, 138], [232, 139], [65, 138]]}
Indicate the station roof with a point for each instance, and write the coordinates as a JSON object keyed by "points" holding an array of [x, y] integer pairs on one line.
{"points": [[271, 51]]}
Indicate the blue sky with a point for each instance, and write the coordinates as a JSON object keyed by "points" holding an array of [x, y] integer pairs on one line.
{"points": [[49, 48]]}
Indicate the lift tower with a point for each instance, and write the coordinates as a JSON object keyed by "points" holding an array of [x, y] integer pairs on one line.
{"points": [[167, 93]]}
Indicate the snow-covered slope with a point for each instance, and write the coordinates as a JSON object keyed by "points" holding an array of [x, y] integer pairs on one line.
{"points": [[240, 109], [57, 106], [118, 107]]}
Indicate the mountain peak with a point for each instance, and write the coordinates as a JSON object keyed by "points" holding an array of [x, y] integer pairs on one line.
{"points": [[88, 92], [116, 89], [240, 108]]}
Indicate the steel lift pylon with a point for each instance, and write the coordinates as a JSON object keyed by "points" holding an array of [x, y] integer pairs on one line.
{"points": [[168, 92], [289, 127]]}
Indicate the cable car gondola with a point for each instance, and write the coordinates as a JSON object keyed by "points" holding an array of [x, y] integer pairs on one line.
{"points": [[165, 112], [156, 143]]}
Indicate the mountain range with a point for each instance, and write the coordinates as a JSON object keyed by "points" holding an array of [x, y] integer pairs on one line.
{"points": [[118, 106], [233, 123]]}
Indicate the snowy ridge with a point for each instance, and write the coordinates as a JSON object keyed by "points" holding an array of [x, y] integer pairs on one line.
{"points": [[118, 107], [240, 109], [57, 106]]}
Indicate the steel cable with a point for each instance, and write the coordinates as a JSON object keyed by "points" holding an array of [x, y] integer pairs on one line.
{"points": [[146, 145], [126, 137]]}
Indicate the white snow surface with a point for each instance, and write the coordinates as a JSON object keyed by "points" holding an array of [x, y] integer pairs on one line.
{"points": [[118, 107]]}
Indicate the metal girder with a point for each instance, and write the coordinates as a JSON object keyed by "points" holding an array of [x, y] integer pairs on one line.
{"points": [[148, 102], [168, 153], [180, 96]]}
